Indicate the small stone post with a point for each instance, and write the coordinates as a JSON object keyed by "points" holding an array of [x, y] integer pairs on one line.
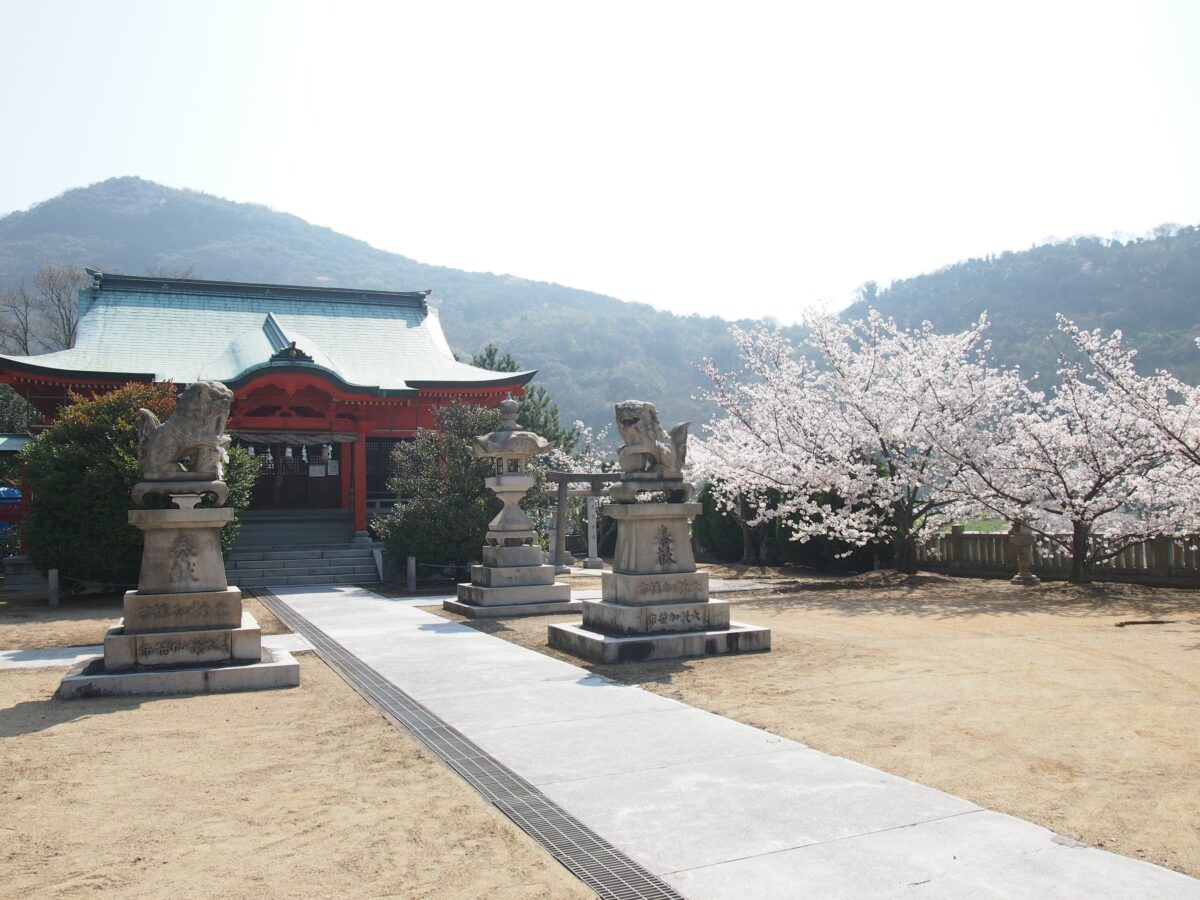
{"points": [[54, 592], [593, 560], [560, 531], [410, 581], [1022, 542]]}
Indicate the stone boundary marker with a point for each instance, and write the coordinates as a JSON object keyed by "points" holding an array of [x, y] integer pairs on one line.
{"points": [[590, 858]]}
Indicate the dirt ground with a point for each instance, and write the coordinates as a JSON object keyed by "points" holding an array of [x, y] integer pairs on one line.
{"points": [[1031, 702], [306, 792]]}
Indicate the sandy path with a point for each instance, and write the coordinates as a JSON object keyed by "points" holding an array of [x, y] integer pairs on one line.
{"points": [[1032, 704], [305, 792]]}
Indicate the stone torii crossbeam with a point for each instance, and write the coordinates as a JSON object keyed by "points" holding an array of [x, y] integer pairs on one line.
{"points": [[596, 483]]}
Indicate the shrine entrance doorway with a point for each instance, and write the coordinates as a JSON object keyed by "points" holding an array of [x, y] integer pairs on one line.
{"points": [[298, 471]]}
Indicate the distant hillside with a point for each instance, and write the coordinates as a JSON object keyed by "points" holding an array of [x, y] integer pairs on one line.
{"points": [[1149, 288], [592, 350]]}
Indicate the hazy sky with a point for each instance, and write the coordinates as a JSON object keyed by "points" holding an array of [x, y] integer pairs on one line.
{"points": [[734, 159]]}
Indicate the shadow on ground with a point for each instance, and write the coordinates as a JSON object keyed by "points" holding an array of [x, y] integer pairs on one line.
{"points": [[30, 716], [941, 597]]}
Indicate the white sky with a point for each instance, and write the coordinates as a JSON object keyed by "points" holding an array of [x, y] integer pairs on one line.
{"points": [[738, 159]]}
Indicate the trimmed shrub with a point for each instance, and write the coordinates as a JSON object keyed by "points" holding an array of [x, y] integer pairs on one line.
{"points": [[446, 507]]}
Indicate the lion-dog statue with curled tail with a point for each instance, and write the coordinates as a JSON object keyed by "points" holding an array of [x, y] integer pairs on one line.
{"points": [[190, 445], [647, 447]]}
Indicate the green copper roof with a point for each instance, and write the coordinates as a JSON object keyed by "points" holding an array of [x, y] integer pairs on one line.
{"points": [[184, 330]]}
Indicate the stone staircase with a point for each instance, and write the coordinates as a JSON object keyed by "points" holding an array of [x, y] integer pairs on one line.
{"points": [[265, 566]]}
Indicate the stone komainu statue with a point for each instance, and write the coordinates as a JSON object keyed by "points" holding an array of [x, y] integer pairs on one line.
{"points": [[190, 445], [647, 447]]}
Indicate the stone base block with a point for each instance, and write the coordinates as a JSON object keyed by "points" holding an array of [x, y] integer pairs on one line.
{"points": [[615, 618], [604, 648], [511, 576], [653, 538], [181, 549], [480, 595], [183, 612], [527, 555], [90, 678], [157, 649], [471, 611], [647, 590]]}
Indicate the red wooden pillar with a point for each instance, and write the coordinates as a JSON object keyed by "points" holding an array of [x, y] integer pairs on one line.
{"points": [[360, 484], [344, 456]]}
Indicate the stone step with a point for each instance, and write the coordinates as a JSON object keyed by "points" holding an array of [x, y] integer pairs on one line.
{"points": [[242, 565], [235, 574], [342, 552], [258, 582]]}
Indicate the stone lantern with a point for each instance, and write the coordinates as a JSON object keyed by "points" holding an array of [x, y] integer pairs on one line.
{"points": [[511, 450], [1022, 541], [513, 579]]}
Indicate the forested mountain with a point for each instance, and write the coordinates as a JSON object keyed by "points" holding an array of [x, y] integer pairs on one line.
{"points": [[1148, 287], [593, 350]]}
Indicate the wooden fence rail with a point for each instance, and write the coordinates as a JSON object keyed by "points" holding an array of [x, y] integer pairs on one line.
{"points": [[1161, 561]]}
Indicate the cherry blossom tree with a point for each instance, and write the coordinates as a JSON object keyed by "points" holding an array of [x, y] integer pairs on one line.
{"points": [[847, 437], [884, 432], [1170, 406], [1085, 474]]}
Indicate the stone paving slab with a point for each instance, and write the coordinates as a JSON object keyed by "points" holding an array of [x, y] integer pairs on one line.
{"points": [[720, 809], [981, 854], [704, 813], [42, 659], [548, 701], [664, 739]]}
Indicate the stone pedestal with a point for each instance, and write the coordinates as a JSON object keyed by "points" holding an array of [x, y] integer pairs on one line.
{"points": [[513, 581], [184, 629], [655, 604]]}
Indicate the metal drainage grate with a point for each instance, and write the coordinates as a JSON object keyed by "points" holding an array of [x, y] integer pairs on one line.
{"points": [[590, 858]]}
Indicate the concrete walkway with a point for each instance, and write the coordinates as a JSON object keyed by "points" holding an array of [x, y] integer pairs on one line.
{"points": [[714, 807]]}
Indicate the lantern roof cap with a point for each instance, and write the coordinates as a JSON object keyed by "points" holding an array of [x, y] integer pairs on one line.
{"points": [[509, 439]]}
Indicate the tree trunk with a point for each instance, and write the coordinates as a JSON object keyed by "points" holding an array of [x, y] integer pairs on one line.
{"points": [[749, 553], [905, 549], [903, 544], [1080, 572]]}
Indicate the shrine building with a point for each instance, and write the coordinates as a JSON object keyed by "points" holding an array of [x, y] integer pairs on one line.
{"points": [[325, 380]]}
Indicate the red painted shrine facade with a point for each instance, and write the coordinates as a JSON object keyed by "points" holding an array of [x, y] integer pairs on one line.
{"points": [[325, 380]]}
